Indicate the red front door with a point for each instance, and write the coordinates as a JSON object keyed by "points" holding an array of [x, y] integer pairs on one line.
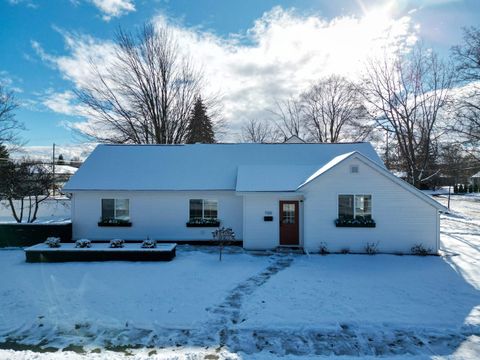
{"points": [[289, 223]]}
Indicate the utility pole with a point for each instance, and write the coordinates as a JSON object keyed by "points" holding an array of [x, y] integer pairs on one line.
{"points": [[53, 169]]}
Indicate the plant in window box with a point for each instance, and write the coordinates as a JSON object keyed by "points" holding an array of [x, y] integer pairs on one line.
{"points": [[203, 222], [114, 222], [357, 222]]}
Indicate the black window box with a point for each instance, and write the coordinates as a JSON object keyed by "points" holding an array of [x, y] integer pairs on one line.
{"points": [[355, 224], [210, 224], [122, 224]]}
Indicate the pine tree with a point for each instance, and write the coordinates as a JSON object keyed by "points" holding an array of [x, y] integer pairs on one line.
{"points": [[3, 153], [200, 128], [61, 160]]}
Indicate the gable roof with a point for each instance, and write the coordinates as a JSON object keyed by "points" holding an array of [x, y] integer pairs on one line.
{"points": [[266, 167], [375, 166]]}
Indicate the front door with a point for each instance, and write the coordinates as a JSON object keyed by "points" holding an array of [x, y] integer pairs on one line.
{"points": [[289, 223]]}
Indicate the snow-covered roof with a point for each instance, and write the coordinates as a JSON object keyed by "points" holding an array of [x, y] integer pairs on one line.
{"points": [[327, 166], [379, 168], [260, 167], [477, 175], [65, 169]]}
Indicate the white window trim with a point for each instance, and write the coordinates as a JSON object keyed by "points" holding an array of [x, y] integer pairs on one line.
{"points": [[354, 203], [203, 207], [115, 207]]}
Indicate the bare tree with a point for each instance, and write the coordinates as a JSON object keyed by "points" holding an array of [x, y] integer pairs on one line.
{"points": [[406, 95], [24, 185], [146, 94], [289, 119], [334, 111], [9, 125], [256, 131], [467, 59]]}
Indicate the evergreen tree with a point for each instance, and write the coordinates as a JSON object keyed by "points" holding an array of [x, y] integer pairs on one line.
{"points": [[61, 160], [3, 153], [200, 129]]}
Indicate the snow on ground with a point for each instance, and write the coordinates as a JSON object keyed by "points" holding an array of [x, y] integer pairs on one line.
{"points": [[250, 306], [50, 210]]}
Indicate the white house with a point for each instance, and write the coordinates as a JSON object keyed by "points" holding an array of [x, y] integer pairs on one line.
{"points": [[270, 194]]}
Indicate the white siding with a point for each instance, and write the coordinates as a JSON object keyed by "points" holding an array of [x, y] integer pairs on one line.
{"points": [[402, 219], [260, 234], [159, 215]]}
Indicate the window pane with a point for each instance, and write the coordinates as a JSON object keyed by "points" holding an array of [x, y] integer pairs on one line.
{"points": [[196, 208], [363, 207], [345, 206], [108, 209], [210, 210], [121, 209], [288, 213]]}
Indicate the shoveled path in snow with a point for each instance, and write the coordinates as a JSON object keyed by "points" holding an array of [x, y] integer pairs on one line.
{"points": [[229, 311]]}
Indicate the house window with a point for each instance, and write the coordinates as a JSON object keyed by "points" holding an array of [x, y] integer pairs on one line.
{"points": [[203, 209], [115, 209], [357, 207]]}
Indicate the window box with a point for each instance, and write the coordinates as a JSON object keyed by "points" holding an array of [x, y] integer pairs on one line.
{"points": [[114, 222], [364, 223], [203, 223]]}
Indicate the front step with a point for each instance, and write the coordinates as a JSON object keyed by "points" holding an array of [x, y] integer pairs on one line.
{"points": [[289, 250]]}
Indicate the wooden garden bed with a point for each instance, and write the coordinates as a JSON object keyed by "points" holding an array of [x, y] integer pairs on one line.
{"points": [[99, 252]]}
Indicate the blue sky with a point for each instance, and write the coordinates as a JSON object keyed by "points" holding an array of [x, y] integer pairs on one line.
{"points": [[42, 44]]}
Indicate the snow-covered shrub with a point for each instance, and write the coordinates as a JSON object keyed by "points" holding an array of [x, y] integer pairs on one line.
{"points": [[53, 242], [371, 248], [345, 251], [117, 243], [149, 244], [419, 249], [324, 248], [83, 243]]}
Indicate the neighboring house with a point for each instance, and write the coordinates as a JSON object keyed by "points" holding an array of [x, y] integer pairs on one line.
{"points": [[270, 194], [475, 179], [62, 174]]}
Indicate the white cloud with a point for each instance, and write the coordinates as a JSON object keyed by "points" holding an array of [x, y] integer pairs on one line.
{"points": [[114, 8], [280, 55]]}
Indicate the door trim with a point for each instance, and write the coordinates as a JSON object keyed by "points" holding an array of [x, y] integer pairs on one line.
{"points": [[289, 242]]}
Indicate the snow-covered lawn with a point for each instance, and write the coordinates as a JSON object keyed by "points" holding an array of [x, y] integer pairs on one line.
{"points": [[250, 306], [51, 210]]}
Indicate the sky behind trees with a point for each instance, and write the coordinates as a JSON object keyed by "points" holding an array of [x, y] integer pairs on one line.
{"points": [[253, 53]]}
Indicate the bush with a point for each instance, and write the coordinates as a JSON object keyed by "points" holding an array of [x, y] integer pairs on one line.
{"points": [[455, 189], [371, 248], [324, 248], [83, 243], [53, 242], [419, 249], [345, 251], [475, 188], [149, 244], [470, 188], [117, 243], [460, 189]]}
